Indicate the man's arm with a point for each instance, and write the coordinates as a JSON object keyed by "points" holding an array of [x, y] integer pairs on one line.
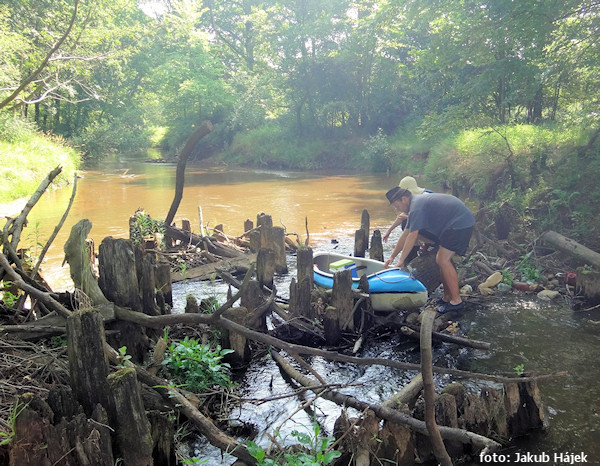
{"points": [[409, 242], [399, 219], [398, 247]]}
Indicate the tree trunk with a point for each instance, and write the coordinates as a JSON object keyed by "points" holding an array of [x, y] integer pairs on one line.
{"points": [[572, 248]]}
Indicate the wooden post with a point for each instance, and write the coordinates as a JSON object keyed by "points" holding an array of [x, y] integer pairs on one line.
{"points": [[276, 240], [331, 326], [365, 223], [304, 265], [254, 238], [79, 262], [376, 249], [145, 263], [248, 225], [360, 245], [117, 273], [361, 237], [524, 410], [162, 276], [132, 427], [186, 225], [265, 267], [588, 285], [343, 299], [88, 365], [265, 222], [299, 304]]}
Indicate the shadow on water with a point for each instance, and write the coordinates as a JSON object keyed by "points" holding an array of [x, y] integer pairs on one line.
{"points": [[546, 337]]}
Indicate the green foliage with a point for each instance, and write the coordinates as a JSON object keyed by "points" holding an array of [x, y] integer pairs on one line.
{"points": [[377, 152], [314, 450], [519, 369], [58, 341], [145, 226], [123, 357], [8, 298], [17, 409], [529, 271], [26, 157], [15, 130], [507, 277], [197, 366]]}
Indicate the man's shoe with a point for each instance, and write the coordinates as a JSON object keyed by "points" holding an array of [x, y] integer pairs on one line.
{"points": [[449, 307]]}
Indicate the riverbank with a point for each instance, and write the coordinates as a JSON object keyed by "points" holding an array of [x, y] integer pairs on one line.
{"points": [[27, 156]]}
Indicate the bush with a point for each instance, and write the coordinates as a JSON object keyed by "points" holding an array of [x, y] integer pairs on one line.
{"points": [[197, 366]]}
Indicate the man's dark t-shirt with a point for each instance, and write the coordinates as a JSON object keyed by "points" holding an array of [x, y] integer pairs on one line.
{"points": [[435, 213]]}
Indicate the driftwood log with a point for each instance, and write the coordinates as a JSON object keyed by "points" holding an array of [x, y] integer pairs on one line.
{"points": [[572, 248]]}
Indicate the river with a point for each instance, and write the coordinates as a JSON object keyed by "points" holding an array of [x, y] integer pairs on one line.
{"points": [[544, 337]]}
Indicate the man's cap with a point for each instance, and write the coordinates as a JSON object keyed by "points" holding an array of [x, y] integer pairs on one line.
{"points": [[396, 193]]}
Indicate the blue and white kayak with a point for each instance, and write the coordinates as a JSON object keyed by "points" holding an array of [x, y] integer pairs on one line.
{"points": [[391, 289]]}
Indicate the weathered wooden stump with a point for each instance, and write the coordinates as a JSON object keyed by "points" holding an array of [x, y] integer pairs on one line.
{"points": [[186, 225], [361, 236], [145, 262], [300, 297], [300, 290], [276, 238], [376, 249], [331, 326], [588, 285], [118, 273], [304, 265], [79, 262], [264, 222], [163, 283], [43, 435], [265, 267], [88, 365], [254, 240], [342, 298], [132, 428]]}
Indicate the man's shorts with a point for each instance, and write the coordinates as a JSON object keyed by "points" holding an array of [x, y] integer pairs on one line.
{"points": [[457, 240]]}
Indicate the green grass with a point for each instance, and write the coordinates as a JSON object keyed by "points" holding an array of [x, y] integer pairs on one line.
{"points": [[26, 157]]}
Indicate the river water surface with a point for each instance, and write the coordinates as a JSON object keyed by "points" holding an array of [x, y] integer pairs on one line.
{"points": [[544, 337]]}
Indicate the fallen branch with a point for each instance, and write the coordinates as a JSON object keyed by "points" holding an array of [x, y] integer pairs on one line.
{"points": [[387, 413], [411, 333], [439, 450]]}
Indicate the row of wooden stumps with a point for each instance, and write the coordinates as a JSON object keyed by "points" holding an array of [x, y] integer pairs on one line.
{"points": [[361, 239]]}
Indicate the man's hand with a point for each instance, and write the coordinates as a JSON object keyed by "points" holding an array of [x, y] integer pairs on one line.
{"points": [[400, 264]]}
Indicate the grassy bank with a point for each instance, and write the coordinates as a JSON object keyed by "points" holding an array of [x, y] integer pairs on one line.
{"points": [[26, 157]]}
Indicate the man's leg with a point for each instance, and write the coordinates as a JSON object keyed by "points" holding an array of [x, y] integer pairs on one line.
{"points": [[449, 275]]}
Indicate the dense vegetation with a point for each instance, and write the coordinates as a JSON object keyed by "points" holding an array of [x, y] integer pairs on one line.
{"points": [[496, 99]]}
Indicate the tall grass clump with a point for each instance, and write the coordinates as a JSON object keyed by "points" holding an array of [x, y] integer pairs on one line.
{"points": [[485, 161], [27, 156]]}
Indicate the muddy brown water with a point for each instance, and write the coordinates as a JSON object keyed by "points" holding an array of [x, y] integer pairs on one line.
{"points": [[545, 337]]}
